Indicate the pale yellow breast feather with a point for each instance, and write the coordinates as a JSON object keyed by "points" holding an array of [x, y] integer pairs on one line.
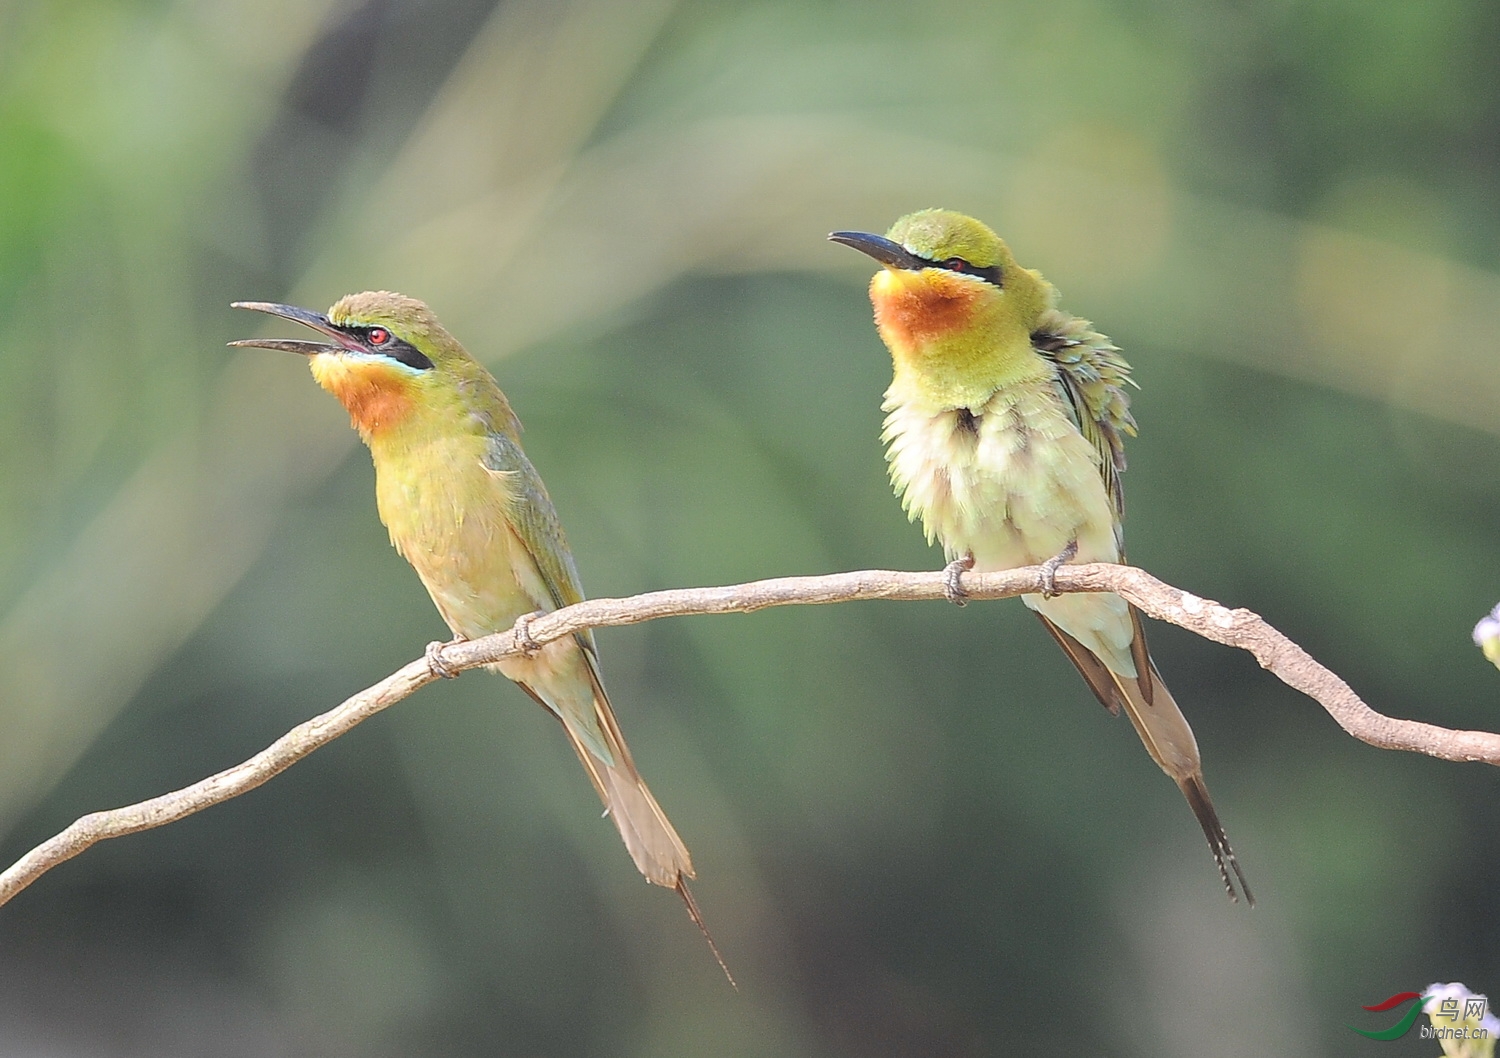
{"points": [[447, 516], [1013, 482]]}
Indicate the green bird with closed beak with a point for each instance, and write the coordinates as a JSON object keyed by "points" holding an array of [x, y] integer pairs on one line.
{"points": [[1005, 422]]}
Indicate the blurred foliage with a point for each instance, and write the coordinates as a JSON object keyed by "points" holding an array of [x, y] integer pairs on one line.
{"points": [[916, 833]]}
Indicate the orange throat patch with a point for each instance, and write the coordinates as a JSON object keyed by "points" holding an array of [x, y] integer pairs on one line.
{"points": [[913, 311], [377, 396]]}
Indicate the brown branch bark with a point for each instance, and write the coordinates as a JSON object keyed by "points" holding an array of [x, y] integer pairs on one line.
{"points": [[1236, 628]]}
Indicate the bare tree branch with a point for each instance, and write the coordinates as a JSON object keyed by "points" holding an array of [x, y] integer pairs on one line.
{"points": [[1236, 628]]}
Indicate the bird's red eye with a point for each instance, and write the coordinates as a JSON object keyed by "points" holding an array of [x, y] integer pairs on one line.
{"points": [[956, 264], [379, 335]]}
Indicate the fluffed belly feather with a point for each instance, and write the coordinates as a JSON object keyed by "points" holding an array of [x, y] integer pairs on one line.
{"points": [[1014, 485]]}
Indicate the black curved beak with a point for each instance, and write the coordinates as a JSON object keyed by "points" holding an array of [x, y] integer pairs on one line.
{"points": [[888, 253], [316, 320]]}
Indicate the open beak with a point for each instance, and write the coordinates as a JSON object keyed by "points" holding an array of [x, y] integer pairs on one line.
{"points": [[888, 253], [316, 320]]}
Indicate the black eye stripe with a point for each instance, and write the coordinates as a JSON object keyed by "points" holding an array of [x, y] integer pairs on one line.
{"points": [[990, 274], [400, 351], [407, 354]]}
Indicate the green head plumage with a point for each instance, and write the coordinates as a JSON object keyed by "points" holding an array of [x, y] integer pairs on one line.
{"points": [[940, 235], [954, 308]]}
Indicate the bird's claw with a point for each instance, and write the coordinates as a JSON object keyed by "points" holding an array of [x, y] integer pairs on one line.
{"points": [[530, 647], [953, 589], [435, 660], [1048, 575]]}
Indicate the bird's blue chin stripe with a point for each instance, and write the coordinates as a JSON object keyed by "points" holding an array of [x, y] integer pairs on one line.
{"points": [[405, 364]]}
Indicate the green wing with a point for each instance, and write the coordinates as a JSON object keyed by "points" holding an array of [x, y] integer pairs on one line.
{"points": [[1092, 375], [534, 521]]}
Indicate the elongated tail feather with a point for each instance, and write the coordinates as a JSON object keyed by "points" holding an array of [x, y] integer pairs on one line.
{"points": [[1095, 673], [649, 836], [1142, 658], [1198, 799], [697, 917], [1167, 737]]}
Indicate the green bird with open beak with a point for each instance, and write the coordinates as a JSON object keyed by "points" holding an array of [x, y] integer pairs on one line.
{"points": [[468, 510]]}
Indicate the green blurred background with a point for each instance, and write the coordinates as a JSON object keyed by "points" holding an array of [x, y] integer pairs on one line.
{"points": [[916, 832]]}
